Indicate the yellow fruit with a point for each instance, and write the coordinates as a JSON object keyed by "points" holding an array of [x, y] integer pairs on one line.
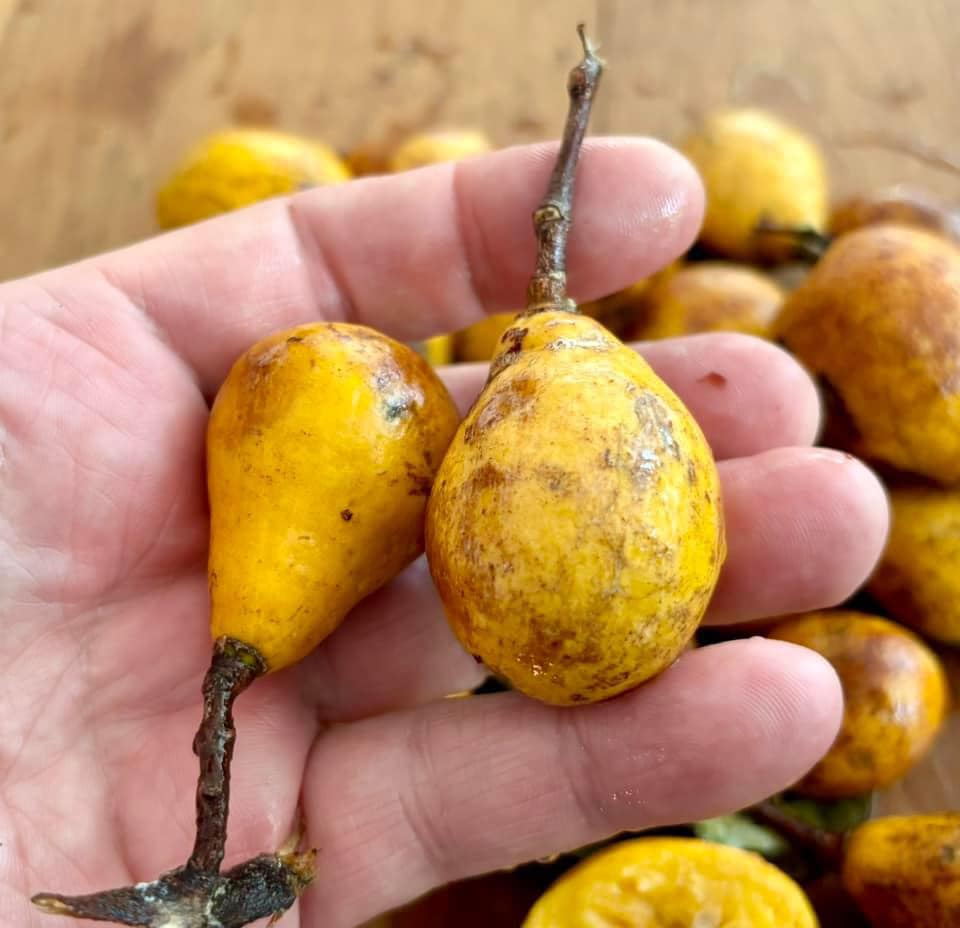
{"points": [[238, 167], [901, 205], [756, 168], [895, 699], [437, 146], [437, 350], [623, 311], [711, 296], [878, 318], [322, 446], [575, 532], [917, 579], [478, 342], [673, 883], [904, 871]]}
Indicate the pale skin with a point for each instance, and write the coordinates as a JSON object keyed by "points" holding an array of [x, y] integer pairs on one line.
{"points": [[107, 369]]}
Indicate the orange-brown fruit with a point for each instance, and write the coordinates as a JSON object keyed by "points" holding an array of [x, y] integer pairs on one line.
{"points": [[710, 296], [900, 204], [895, 699], [878, 319]]}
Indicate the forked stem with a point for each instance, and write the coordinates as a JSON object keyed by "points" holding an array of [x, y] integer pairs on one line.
{"points": [[197, 895], [551, 219]]}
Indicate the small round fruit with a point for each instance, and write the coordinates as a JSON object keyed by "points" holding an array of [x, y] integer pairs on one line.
{"points": [[917, 579], [895, 699], [438, 146], [238, 167], [878, 318], [902, 205], [904, 870], [478, 342], [756, 168], [673, 883], [710, 296]]}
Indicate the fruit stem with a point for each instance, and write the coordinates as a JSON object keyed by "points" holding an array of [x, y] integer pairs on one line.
{"points": [[551, 219], [808, 244], [233, 668], [826, 846], [198, 895]]}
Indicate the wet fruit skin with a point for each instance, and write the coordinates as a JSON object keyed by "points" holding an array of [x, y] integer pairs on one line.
{"points": [[710, 296], [895, 699], [756, 167], [917, 578], [673, 883], [878, 318], [328, 405], [901, 205], [904, 871], [238, 167], [575, 531], [437, 146]]}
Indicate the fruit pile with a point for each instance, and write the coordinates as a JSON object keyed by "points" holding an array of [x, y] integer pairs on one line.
{"points": [[865, 294]]}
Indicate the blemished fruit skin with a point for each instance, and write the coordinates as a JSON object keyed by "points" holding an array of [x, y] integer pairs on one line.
{"points": [[901, 205], [673, 883], [438, 146], [575, 530], [904, 871], [238, 167], [878, 318], [895, 699], [917, 579], [322, 446], [709, 296], [479, 341], [756, 168]]}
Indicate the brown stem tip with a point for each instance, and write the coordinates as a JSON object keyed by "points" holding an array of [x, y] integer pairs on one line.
{"points": [[197, 895], [552, 218]]}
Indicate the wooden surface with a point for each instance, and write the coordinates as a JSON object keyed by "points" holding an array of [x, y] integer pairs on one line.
{"points": [[98, 97]]}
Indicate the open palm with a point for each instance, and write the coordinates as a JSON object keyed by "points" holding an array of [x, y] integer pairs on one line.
{"points": [[106, 371]]}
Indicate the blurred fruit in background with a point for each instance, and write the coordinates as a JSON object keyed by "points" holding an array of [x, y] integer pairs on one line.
{"points": [[436, 146], [756, 169], [238, 167]]}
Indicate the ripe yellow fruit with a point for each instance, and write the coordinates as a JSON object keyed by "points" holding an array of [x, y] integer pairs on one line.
{"points": [[895, 699], [878, 318], [904, 871], [917, 579], [238, 167], [756, 168], [673, 883], [437, 350], [902, 205], [575, 531], [478, 342], [322, 446], [709, 296], [437, 146]]}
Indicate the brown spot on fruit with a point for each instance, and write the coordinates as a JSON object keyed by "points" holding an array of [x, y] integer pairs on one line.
{"points": [[346, 515]]}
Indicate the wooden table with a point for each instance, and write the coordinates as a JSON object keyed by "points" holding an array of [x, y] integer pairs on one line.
{"points": [[99, 97]]}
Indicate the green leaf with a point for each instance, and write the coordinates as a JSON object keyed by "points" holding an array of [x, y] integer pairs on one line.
{"points": [[834, 815], [739, 831]]}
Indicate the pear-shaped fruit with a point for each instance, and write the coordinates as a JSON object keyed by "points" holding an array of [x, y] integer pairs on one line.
{"points": [[574, 532], [709, 296], [673, 883], [757, 170], [904, 870], [238, 167], [895, 699], [878, 318], [322, 447], [917, 579]]}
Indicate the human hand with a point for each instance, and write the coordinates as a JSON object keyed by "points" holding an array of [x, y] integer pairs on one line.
{"points": [[107, 370]]}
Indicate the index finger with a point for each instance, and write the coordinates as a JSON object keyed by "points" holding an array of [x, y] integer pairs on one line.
{"points": [[411, 254]]}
